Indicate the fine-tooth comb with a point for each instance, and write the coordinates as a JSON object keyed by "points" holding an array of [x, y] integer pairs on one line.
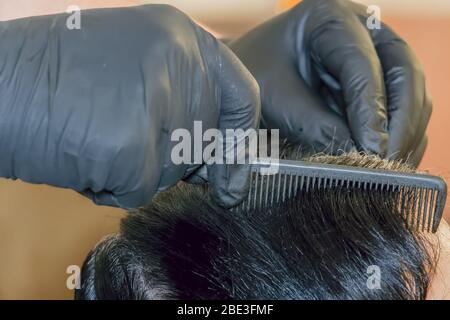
{"points": [[419, 197]]}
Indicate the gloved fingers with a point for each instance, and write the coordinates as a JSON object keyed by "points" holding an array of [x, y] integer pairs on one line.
{"points": [[416, 150], [422, 127], [199, 176], [407, 127], [240, 109], [101, 198], [345, 56], [303, 117], [404, 112], [129, 200], [416, 155], [409, 106]]}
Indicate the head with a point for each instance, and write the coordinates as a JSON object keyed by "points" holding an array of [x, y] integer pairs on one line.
{"points": [[322, 244]]}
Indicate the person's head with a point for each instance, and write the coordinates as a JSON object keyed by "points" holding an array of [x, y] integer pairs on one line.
{"points": [[332, 244]]}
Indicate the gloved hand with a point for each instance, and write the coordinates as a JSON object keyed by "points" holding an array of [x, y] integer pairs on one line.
{"points": [[329, 83], [94, 109]]}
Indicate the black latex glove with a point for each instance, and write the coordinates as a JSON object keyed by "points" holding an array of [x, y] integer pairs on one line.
{"points": [[329, 83], [94, 109]]}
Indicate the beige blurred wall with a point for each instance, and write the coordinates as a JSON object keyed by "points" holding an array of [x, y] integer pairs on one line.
{"points": [[411, 7], [43, 230], [224, 18]]}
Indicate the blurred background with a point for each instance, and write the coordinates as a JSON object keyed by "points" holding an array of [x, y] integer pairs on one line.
{"points": [[43, 230]]}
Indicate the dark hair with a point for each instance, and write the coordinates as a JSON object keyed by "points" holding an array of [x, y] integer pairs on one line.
{"points": [[319, 245]]}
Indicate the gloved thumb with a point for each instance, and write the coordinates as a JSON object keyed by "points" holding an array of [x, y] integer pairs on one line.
{"points": [[239, 117]]}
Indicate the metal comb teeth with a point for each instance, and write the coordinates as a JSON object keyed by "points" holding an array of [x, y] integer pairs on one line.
{"points": [[420, 198]]}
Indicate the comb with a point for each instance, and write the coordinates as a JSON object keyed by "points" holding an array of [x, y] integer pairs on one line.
{"points": [[420, 198]]}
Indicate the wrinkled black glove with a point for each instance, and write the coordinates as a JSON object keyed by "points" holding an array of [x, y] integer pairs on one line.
{"points": [[94, 109], [329, 83]]}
